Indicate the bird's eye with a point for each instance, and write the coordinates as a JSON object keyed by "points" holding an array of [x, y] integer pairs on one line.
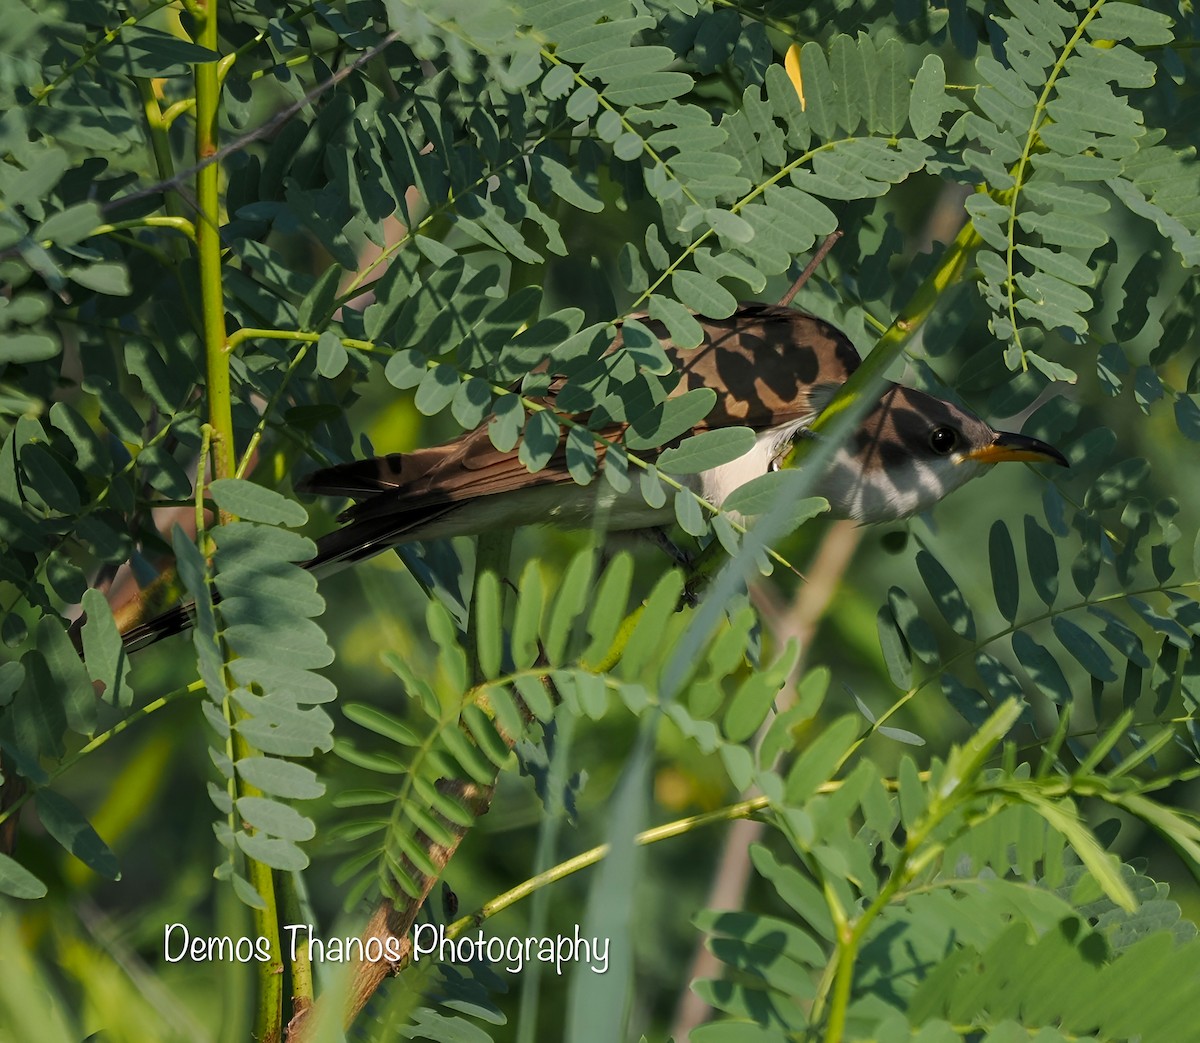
{"points": [[943, 440]]}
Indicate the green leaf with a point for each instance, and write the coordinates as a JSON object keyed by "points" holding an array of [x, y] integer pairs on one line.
{"points": [[946, 595], [759, 495], [755, 696], [275, 818], [707, 449], [896, 656], [819, 91], [891, 88], [256, 503], [681, 324], [477, 767], [26, 347], [106, 659], [272, 851], [527, 619], [1187, 416], [917, 632], [1042, 667], [567, 184], [928, 99], [18, 881], [669, 419], [46, 474], [156, 53], [486, 737], [71, 225], [542, 437], [969, 703], [581, 455], [406, 369], [1104, 867], [966, 761], [381, 723], [1042, 555], [331, 354], [488, 623], [1084, 648], [111, 279], [246, 892], [653, 492], [509, 417], [436, 390], [820, 761], [645, 640], [12, 676], [277, 727], [281, 778], [68, 681], [796, 890], [382, 763], [66, 824], [1121, 637], [1139, 25], [472, 402], [702, 294], [1063, 229], [688, 512], [608, 607], [318, 304]]}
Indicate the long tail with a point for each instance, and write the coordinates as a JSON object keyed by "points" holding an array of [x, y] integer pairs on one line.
{"points": [[174, 621], [335, 550]]}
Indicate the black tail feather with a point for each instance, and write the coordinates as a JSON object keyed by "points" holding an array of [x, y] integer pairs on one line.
{"points": [[345, 546], [174, 621]]}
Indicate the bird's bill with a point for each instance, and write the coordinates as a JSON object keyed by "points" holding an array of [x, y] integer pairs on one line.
{"points": [[1008, 447]]}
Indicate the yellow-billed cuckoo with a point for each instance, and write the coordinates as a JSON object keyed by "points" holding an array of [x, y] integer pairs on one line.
{"points": [[773, 369]]}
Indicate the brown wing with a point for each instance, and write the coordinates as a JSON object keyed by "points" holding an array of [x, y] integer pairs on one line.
{"points": [[764, 361]]}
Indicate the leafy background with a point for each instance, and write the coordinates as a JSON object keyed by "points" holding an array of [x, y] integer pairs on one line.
{"points": [[970, 775]]}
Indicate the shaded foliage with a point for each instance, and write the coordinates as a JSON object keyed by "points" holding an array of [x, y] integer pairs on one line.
{"points": [[454, 214]]}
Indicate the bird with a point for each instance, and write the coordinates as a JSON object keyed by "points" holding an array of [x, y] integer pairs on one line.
{"points": [[772, 368]]}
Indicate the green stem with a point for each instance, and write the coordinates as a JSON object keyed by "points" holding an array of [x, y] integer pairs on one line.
{"points": [[249, 332], [852, 933], [1031, 138], [268, 1018], [300, 966], [179, 224], [208, 250], [744, 809], [160, 146], [268, 1015], [890, 346]]}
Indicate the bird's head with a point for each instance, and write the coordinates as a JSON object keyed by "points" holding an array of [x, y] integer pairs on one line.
{"points": [[911, 450]]}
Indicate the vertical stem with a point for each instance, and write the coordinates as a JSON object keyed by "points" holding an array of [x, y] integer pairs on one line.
{"points": [[918, 308], [160, 145], [299, 963], [208, 246], [268, 1019]]}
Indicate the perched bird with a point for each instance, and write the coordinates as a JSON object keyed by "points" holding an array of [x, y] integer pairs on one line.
{"points": [[772, 368]]}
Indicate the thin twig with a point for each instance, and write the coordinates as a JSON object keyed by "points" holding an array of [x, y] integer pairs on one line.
{"points": [[811, 267]]}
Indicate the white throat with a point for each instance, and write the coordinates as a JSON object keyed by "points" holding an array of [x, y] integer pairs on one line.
{"points": [[718, 482]]}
